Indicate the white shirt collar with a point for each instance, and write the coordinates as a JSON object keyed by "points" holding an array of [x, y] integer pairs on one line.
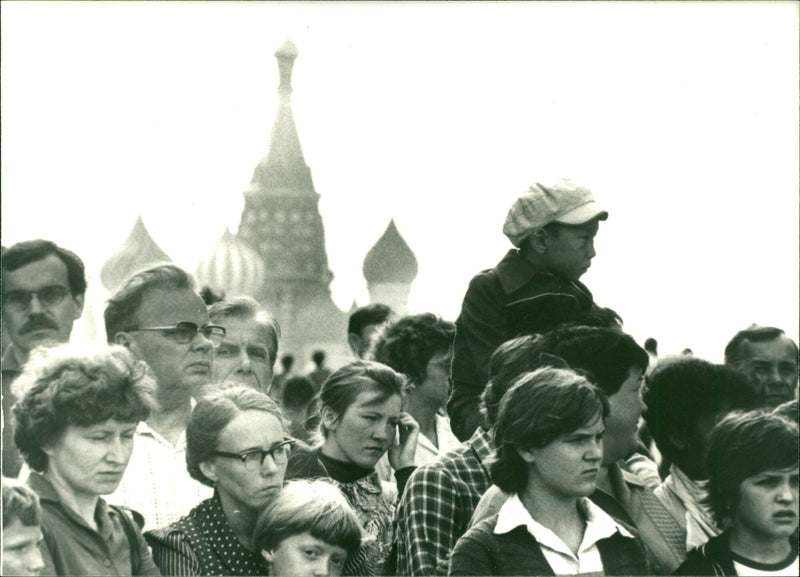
{"points": [[599, 524]]}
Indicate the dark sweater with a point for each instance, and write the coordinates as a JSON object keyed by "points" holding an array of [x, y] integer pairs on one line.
{"points": [[716, 558], [482, 552]]}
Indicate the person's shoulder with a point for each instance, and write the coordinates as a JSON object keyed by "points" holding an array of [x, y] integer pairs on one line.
{"points": [[710, 558], [483, 530], [446, 465], [696, 563]]}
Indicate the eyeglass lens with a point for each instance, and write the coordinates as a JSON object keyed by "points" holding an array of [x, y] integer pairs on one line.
{"points": [[185, 332], [255, 460]]}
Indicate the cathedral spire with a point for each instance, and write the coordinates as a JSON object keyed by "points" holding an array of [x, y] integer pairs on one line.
{"points": [[286, 55], [283, 171]]}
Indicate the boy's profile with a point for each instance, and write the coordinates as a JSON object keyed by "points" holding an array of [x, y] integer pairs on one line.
{"points": [[533, 289]]}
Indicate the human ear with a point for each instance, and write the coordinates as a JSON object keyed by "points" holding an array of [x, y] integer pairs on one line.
{"points": [[329, 418], [526, 455], [354, 340], [538, 240], [79, 300], [122, 338], [209, 470]]}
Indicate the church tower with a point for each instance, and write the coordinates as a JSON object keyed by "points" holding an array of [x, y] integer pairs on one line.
{"points": [[282, 222], [281, 218]]}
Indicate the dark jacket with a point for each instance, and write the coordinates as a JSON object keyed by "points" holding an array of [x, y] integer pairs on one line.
{"points": [[715, 558], [502, 303], [482, 552]]}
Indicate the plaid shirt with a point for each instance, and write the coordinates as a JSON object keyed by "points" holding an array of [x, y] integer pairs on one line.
{"points": [[437, 505]]}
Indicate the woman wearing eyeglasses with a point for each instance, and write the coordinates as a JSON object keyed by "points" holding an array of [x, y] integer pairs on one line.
{"points": [[235, 442], [361, 419]]}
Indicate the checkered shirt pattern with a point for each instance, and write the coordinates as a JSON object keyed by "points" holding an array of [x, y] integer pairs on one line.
{"points": [[437, 504]]}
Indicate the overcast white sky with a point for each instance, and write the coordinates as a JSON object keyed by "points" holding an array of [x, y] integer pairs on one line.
{"points": [[682, 117]]}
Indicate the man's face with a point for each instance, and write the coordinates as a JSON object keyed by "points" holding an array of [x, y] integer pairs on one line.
{"points": [[21, 554], [244, 355], [436, 386], [185, 367], [37, 324], [570, 250], [772, 365], [623, 419]]}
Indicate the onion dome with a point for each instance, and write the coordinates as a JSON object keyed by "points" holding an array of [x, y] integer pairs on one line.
{"points": [[138, 252], [234, 267], [391, 260]]}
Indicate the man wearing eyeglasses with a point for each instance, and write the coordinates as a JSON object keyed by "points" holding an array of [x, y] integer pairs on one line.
{"points": [[43, 287], [160, 318]]}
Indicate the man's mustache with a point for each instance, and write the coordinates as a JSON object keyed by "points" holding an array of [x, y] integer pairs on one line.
{"points": [[36, 323]]}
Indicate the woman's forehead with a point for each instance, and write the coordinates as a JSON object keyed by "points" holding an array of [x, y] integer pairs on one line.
{"points": [[373, 398]]}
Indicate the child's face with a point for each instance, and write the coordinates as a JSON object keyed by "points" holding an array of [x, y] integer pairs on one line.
{"points": [[304, 555], [21, 554], [570, 250], [768, 504]]}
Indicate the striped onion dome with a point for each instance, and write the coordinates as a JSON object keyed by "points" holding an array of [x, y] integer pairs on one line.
{"points": [[234, 267], [136, 253], [391, 260]]}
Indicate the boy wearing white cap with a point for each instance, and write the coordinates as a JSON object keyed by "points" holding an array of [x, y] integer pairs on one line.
{"points": [[533, 289]]}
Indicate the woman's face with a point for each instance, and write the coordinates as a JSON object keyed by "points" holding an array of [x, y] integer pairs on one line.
{"points": [[304, 555], [249, 488], [90, 461], [568, 466], [768, 504], [366, 429]]}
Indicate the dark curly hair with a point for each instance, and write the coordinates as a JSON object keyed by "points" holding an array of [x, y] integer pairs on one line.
{"points": [[77, 386], [409, 343]]}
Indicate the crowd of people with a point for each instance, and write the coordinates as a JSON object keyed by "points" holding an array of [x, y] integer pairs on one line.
{"points": [[532, 436]]}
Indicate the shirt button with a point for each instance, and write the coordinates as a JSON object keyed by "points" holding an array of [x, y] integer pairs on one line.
{"points": [[107, 563]]}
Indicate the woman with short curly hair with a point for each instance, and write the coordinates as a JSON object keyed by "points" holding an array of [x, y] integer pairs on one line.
{"points": [[75, 423]]}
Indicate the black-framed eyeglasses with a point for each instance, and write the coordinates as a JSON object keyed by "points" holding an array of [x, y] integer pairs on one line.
{"points": [[48, 296], [184, 332], [253, 459]]}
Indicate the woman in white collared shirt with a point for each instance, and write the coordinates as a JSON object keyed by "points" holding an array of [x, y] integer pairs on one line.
{"points": [[549, 451]]}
